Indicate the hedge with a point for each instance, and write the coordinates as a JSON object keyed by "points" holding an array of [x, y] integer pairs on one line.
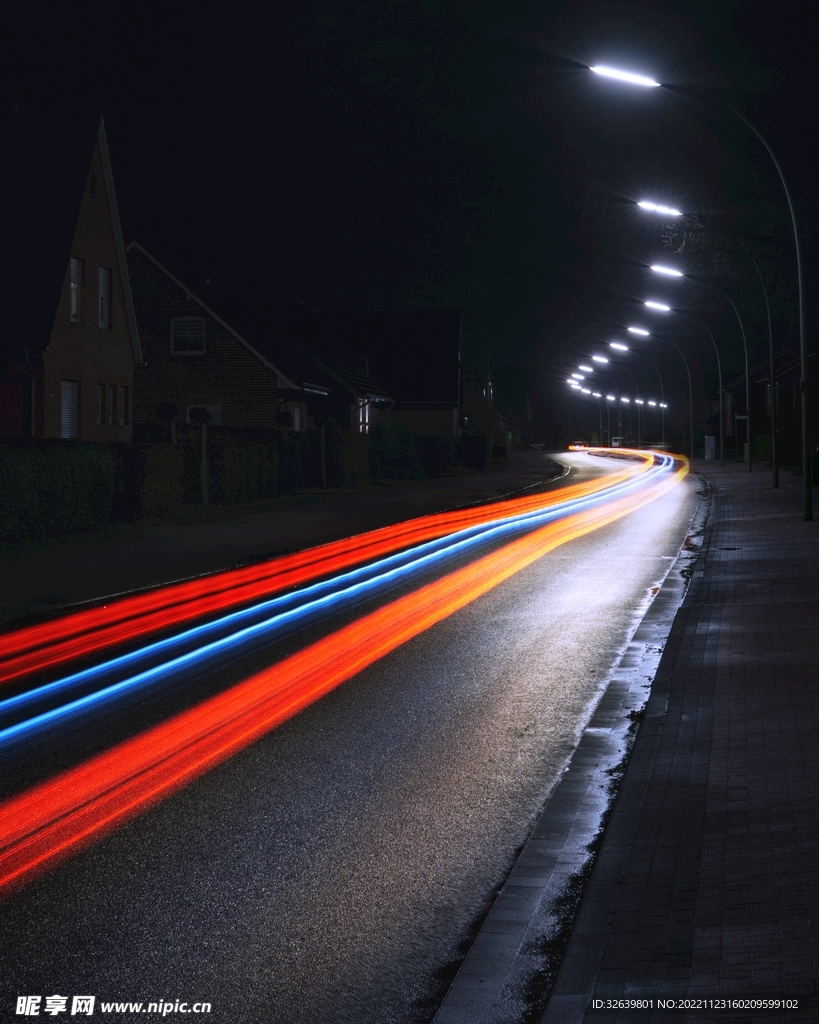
{"points": [[396, 451], [152, 481], [346, 457], [436, 452], [54, 490], [51, 489]]}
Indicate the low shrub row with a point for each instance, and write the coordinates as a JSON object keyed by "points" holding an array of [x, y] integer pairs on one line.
{"points": [[51, 489], [54, 490]]}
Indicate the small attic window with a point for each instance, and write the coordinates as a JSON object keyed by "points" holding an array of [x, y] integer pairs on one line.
{"points": [[188, 334], [93, 185]]}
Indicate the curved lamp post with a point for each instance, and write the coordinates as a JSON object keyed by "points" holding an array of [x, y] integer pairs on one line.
{"points": [[670, 272], [643, 80], [669, 211], [660, 306]]}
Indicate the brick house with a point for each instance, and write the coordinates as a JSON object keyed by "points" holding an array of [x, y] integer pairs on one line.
{"points": [[193, 358], [414, 355], [211, 349], [78, 358]]}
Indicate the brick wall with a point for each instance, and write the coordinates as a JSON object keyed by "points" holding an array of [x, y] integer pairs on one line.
{"points": [[227, 374]]}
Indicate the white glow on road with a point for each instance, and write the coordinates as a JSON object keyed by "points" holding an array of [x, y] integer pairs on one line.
{"points": [[669, 271], [618, 346], [600, 359], [638, 330], [658, 305]]}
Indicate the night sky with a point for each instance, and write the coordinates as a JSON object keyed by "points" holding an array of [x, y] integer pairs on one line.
{"points": [[422, 154]]}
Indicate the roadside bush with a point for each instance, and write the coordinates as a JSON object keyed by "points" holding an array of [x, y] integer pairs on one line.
{"points": [[239, 470], [436, 453], [242, 465], [53, 490], [347, 456], [394, 444], [152, 480], [299, 461]]}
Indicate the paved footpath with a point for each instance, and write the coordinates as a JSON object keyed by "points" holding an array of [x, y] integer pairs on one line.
{"points": [[705, 885]]}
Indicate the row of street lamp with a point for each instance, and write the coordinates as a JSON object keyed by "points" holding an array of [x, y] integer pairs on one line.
{"points": [[632, 78]]}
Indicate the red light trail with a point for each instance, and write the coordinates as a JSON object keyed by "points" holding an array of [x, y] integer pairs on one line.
{"points": [[80, 634], [57, 818]]}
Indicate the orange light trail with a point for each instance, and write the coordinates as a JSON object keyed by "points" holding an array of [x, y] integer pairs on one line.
{"points": [[60, 816], [80, 634]]}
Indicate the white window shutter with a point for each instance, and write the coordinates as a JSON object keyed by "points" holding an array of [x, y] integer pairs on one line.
{"points": [[69, 402]]}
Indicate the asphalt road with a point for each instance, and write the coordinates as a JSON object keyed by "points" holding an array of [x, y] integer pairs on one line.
{"points": [[334, 871]]}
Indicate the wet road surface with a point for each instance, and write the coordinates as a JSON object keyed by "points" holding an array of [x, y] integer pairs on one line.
{"points": [[333, 871]]}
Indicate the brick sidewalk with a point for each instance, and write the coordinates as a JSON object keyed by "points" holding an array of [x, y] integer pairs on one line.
{"points": [[706, 880]]}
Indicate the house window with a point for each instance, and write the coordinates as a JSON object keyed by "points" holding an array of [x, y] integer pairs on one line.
{"points": [[104, 278], [122, 410], [363, 416], [110, 410], [76, 274], [100, 403], [69, 408], [188, 334]]}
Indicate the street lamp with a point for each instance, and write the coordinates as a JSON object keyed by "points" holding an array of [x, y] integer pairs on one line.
{"points": [[667, 309], [643, 80], [596, 394], [669, 211], [639, 401], [744, 348], [642, 355], [624, 76]]}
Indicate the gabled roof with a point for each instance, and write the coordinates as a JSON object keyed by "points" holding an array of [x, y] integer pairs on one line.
{"points": [[44, 170], [284, 380], [44, 186], [125, 280], [414, 355]]}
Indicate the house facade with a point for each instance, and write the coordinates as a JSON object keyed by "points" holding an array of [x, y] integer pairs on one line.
{"points": [[83, 380], [414, 355], [192, 358]]}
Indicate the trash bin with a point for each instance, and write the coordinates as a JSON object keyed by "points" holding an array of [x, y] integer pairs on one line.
{"points": [[710, 446]]}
